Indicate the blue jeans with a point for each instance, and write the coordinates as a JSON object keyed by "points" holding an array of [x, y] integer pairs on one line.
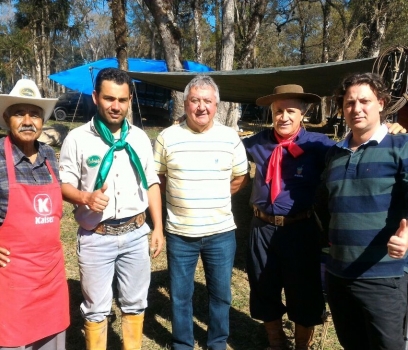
{"points": [[217, 253]]}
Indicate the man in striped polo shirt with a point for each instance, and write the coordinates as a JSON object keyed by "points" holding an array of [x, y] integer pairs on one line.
{"points": [[367, 183], [200, 163]]}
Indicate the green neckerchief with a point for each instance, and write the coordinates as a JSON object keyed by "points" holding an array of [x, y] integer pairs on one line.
{"points": [[118, 145]]}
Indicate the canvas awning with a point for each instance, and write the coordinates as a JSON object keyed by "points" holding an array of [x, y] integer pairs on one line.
{"points": [[246, 85]]}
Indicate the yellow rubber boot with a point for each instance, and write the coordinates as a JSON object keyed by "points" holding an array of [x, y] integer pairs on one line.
{"points": [[96, 335], [132, 331]]}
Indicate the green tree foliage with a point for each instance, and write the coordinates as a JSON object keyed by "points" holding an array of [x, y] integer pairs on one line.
{"points": [[31, 37], [39, 37]]}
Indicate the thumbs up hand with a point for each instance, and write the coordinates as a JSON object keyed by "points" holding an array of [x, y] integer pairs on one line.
{"points": [[98, 200], [398, 244]]}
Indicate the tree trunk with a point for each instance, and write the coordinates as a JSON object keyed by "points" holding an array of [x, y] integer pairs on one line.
{"points": [[170, 35], [227, 112], [228, 35], [153, 45], [326, 39], [303, 33], [43, 39], [120, 31], [198, 13], [350, 25], [37, 58], [256, 9], [152, 28], [218, 34], [376, 25], [46, 51]]}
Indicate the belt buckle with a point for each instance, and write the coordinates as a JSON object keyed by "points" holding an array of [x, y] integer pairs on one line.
{"points": [[279, 220], [139, 220]]}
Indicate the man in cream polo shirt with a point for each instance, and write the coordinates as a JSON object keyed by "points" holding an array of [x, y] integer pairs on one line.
{"points": [[196, 161]]}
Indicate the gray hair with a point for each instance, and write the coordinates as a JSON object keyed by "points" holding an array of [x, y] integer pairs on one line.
{"points": [[202, 81]]}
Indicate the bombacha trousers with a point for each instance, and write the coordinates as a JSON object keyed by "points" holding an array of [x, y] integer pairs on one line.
{"points": [[285, 258], [100, 257]]}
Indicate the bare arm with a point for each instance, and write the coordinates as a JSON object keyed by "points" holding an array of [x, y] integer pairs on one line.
{"points": [[239, 183], [96, 200], [155, 209]]}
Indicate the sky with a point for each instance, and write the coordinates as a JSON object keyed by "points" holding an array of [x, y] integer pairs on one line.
{"points": [[6, 13]]}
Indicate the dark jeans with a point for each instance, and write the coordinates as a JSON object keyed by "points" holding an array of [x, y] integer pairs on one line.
{"points": [[285, 258], [217, 253], [368, 313]]}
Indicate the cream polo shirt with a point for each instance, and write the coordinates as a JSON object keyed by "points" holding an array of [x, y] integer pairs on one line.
{"points": [[198, 169], [80, 158]]}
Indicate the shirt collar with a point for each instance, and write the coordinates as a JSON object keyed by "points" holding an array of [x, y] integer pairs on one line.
{"points": [[19, 156], [378, 136]]}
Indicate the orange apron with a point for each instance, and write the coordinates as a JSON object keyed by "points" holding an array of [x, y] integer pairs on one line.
{"points": [[34, 299]]}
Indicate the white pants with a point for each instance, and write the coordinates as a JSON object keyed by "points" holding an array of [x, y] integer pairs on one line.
{"points": [[99, 258]]}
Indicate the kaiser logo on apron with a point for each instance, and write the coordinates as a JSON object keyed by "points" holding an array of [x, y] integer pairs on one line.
{"points": [[43, 206]]}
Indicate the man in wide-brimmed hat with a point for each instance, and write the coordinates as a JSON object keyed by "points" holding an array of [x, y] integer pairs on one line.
{"points": [[32, 276], [285, 238], [284, 243]]}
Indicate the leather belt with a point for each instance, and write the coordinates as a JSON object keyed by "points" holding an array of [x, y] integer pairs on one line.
{"points": [[120, 229], [279, 220]]}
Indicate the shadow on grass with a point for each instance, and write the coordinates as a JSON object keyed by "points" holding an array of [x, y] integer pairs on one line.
{"points": [[245, 333], [75, 336]]}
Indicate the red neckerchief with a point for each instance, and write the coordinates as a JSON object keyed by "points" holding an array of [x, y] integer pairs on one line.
{"points": [[274, 167]]}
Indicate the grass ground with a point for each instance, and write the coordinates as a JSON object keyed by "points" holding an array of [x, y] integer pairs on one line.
{"points": [[246, 333]]}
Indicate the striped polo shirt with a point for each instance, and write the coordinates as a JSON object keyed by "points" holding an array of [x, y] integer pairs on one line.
{"points": [[367, 199], [199, 168]]}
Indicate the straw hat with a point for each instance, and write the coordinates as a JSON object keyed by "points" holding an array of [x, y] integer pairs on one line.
{"points": [[26, 91], [287, 92]]}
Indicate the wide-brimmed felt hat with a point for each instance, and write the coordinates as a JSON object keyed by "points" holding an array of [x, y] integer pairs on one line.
{"points": [[27, 92], [287, 92]]}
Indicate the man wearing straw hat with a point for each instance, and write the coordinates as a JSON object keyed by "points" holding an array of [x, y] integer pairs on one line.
{"points": [[34, 310]]}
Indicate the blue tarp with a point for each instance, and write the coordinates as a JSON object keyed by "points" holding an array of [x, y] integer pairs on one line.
{"points": [[81, 78]]}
